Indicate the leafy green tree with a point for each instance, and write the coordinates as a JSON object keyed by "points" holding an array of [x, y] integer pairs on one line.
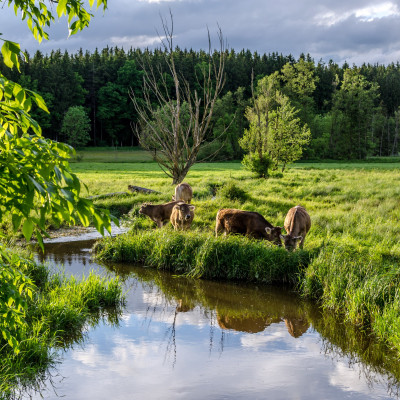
{"points": [[287, 135], [299, 85], [35, 178], [115, 109], [276, 136], [255, 138], [354, 107], [76, 126]]}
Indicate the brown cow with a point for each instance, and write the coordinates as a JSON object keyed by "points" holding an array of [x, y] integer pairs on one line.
{"points": [[182, 216], [247, 223], [183, 192], [159, 213], [297, 224]]}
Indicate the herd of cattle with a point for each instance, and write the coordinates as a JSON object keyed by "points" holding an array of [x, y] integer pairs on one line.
{"points": [[180, 213]]}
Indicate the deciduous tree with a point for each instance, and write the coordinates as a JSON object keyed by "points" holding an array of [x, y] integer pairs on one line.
{"points": [[175, 145]]}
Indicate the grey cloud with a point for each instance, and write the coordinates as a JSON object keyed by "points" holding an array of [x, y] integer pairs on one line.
{"points": [[286, 26]]}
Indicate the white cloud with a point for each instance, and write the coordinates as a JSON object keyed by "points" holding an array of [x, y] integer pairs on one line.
{"points": [[378, 11], [134, 41], [365, 14]]}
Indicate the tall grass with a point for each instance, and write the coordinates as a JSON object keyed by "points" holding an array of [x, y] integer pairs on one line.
{"points": [[198, 254]]}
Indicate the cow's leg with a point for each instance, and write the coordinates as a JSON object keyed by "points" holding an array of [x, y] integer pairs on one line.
{"points": [[303, 235], [159, 223], [219, 227]]}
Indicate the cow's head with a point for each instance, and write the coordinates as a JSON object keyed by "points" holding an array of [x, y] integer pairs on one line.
{"points": [[185, 211], [274, 235], [144, 207], [291, 242]]}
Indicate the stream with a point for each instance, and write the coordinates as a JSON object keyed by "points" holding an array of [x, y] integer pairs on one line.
{"points": [[181, 338]]}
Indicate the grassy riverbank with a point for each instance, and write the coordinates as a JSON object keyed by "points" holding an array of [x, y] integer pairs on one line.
{"points": [[198, 254], [57, 316], [353, 246]]}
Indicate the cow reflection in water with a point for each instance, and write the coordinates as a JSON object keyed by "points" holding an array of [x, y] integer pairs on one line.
{"points": [[296, 326]]}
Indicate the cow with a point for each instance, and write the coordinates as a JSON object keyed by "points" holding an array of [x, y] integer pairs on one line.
{"points": [[182, 216], [297, 224], [183, 192], [159, 213], [247, 223]]}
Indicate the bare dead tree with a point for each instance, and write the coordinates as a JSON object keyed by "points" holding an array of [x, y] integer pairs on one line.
{"points": [[174, 123]]}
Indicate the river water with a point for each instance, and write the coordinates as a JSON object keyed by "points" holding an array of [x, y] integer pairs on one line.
{"points": [[180, 338]]}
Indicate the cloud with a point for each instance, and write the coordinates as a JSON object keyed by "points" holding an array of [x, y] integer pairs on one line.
{"points": [[365, 14], [340, 30]]}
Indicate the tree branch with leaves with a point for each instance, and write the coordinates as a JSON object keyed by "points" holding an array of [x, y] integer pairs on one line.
{"points": [[36, 181]]}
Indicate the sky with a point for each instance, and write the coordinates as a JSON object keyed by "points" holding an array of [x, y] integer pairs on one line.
{"points": [[352, 31]]}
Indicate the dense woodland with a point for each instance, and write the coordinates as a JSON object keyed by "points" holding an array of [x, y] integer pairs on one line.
{"points": [[353, 113]]}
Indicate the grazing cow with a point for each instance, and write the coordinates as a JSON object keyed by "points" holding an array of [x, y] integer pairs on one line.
{"points": [[247, 223], [182, 216], [297, 224], [183, 192], [159, 213]]}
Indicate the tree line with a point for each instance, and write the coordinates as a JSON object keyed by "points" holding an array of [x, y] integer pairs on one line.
{"points": [[351, 112]]}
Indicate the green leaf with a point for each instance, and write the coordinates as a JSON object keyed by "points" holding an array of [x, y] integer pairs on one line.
{"points": [[27, 229], [16, 221], [10, 51], [62, 8]]}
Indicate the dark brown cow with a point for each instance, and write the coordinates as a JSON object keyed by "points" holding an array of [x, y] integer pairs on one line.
{"points": [[182, 216], [247, 223], [159, 213], [297, 224], [183, 192]]}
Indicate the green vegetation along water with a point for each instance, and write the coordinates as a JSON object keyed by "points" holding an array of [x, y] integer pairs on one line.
{"points": [[353, 244], [191, 338]]}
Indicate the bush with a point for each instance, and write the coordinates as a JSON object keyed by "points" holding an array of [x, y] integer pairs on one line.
{"points": [[231, 191], [260, 167]]}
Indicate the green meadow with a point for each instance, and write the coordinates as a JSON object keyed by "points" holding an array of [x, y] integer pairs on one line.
{"points": [[350, 262]]}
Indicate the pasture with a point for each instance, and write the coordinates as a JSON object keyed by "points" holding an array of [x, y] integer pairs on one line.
{"points": [[353, 245]]}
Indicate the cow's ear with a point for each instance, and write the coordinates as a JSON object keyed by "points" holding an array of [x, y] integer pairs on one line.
{"points": [[268, 230], [192, 207], [298, 238], [282, 237]]}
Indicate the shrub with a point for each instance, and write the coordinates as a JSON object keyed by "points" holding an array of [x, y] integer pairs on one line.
{"points": [[231, 191], [254, 163]]}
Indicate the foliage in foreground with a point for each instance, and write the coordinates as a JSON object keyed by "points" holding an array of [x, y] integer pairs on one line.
{"points": [[35, 179], [52, 314]]}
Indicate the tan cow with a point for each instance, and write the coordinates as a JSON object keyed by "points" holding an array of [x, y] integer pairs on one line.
{"points": [[249, 223], [183, 192], [297, 224], [182, 216], [159, 213]]}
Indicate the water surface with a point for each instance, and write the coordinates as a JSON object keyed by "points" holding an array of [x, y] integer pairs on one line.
{"points": [[191, 339]]}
